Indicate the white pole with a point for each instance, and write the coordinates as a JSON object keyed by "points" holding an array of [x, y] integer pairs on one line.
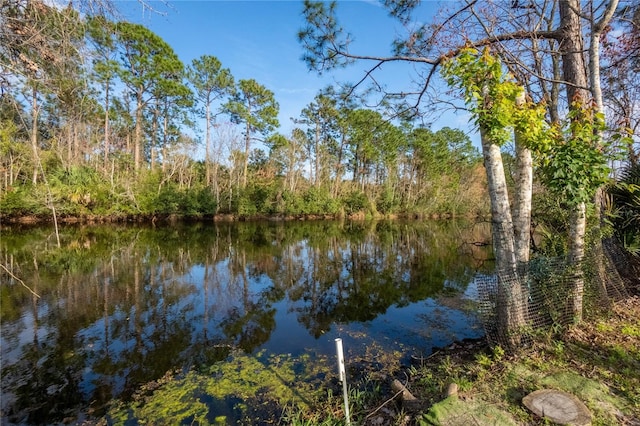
{"points": [[343, 379]]}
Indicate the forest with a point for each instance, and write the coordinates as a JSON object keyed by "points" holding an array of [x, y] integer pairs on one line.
{"points": [[102, 120]]}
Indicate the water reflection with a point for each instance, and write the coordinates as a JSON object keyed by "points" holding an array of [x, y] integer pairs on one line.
{"points": [[121, 305]]}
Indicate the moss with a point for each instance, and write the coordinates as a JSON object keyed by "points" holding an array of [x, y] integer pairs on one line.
{"points": [[453, 411]]}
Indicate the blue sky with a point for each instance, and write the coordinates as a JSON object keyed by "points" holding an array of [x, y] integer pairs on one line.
{"points": [[258, 39]]}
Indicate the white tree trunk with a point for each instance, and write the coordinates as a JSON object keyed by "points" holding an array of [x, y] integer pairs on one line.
{"points": [[34, 134], [207, 138], [577, 229], [594, 53], [522, 203], [137, 142], [594, 81], [501, 221], [522, 197], [107, 146]]}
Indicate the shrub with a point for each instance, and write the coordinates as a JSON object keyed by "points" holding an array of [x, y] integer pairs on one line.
{"points": [[624, 208], [355, 201]]}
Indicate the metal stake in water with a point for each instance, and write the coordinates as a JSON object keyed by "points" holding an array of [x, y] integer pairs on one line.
{"points": [[343, 379]]}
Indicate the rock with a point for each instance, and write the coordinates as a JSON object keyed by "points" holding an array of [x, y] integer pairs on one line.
{"points": [[559, 407], [398, 387], [409, 402], [452, 390]]}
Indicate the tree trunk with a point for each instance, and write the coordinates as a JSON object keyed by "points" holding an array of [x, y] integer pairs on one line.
{"points": [[338, 177], [154, 136], [511, 311], [316, 153], [572, 48], [522, 203], [137, 142], [594, 53], [522, 197], [207, 144], [106, 127], [577, 229], [69, 146], [34, 134], [501, 221], [594, 79], [247, 147], [574, 72]]}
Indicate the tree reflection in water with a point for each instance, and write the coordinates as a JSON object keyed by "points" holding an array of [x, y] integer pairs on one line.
{"points": [[122, 305]]}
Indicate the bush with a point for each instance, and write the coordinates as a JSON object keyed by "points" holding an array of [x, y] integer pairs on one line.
{"points": [[318, 201], [386, 202], [19, 201], [624, 208], [356, 201]]}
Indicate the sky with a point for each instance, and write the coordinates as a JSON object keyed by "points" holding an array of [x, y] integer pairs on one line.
{"points": [[258, 40]]}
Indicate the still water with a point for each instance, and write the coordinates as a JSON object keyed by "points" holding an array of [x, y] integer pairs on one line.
{"points": [[118, 306]]}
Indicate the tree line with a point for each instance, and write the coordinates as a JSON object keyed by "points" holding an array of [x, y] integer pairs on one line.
{"points": [[101, 118]]}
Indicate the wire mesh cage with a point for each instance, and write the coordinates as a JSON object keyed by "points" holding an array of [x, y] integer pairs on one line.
{"points": [[548, 292]]}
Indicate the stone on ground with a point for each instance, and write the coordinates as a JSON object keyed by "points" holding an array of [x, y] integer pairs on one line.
{"points": [[557, 406]]}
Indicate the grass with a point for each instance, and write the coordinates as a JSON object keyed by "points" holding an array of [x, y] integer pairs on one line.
{"points": [[597, 360]]}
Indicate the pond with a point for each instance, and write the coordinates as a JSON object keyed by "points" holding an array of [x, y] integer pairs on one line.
{"points": [[119, 306]]}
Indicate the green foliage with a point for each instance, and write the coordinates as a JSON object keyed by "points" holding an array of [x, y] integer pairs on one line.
{"points": [[624, 208], [496, 100], [551, 218], [209, 79], [322, 36], [356, 201], [486, 90], [387, 202], [156, 197], [255, 106], [577, 163], [317, 200], [20, 201], [8, 146], [147, 60], [256, 199], [573, 160]]}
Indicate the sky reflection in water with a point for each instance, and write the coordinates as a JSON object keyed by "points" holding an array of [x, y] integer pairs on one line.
{"points": [[121, 305]]}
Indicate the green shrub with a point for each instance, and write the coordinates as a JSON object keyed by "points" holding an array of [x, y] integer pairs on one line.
{"points": [[624, 208], [386, 202], [317, 200], [19, 201], [355, 201]]}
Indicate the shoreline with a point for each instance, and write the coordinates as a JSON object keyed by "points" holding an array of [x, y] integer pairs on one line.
{"points": [[223, 217]]}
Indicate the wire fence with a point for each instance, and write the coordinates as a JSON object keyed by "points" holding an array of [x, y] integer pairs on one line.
{"points": [[549, 292]]}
